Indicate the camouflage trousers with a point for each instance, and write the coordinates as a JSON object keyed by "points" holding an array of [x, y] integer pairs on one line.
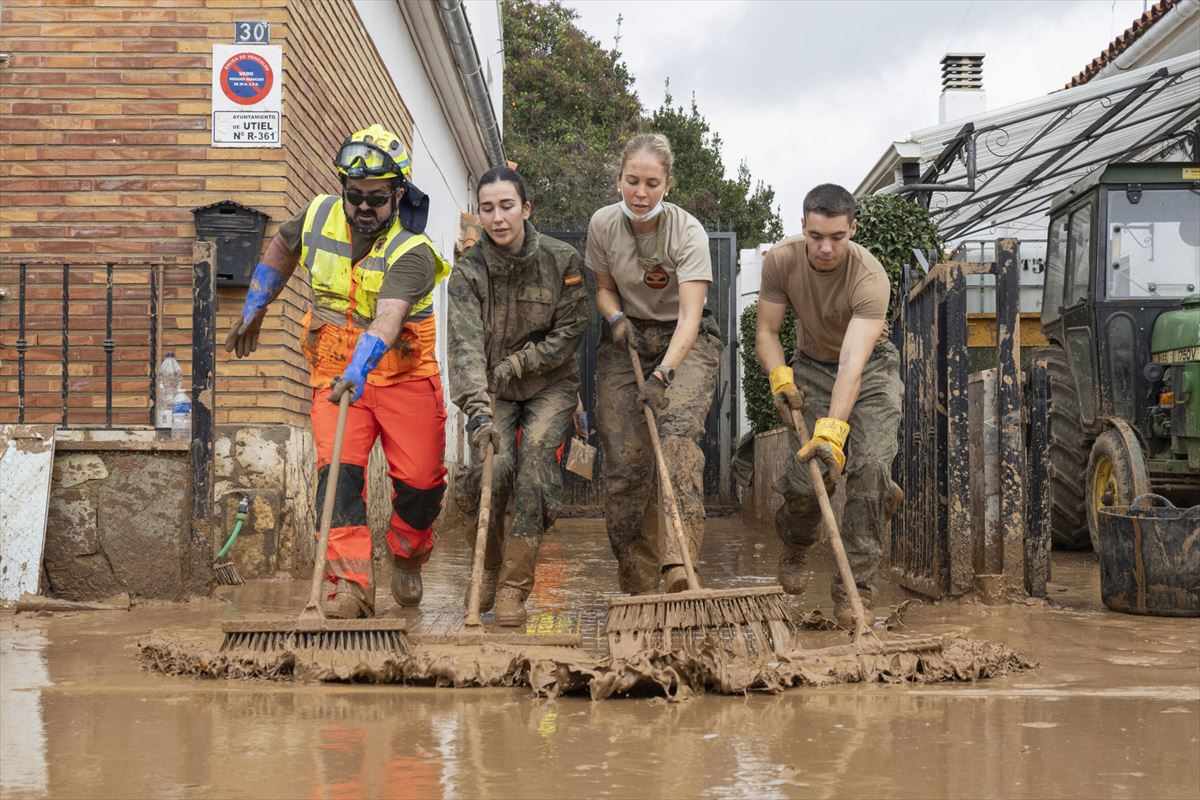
{"points": [[871, 496], [629, 470], [526, 471]]}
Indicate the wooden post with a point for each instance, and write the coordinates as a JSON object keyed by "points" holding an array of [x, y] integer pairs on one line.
{"points": [[198, 560]]}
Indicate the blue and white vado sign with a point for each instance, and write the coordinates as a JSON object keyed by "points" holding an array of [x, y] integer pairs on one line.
{"points": [[247, 91]]}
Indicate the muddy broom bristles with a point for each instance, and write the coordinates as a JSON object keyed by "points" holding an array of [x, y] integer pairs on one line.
{"points": [[755, 621], [312, 638], [747, 622]]}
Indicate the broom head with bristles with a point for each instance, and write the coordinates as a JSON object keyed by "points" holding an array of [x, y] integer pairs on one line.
{"points": [[227, 574], [747, 622], [344, 641]]}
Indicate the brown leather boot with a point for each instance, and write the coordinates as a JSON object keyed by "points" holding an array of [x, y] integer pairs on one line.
{"points": [[406, 580], [510, 607]]}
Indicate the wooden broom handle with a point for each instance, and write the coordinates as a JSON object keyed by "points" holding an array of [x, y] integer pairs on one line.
{"points": [[335, 464], [481, 533], [835, 534], [674, 523]]}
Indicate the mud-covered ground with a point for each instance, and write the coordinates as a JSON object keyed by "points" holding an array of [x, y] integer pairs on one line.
{"points": [[1113, 710]]}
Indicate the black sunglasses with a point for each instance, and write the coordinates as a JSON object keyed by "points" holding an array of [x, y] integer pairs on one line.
{"points": [[356, 198]]}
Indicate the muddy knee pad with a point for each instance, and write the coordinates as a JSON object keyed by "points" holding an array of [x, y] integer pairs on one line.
{"points": [[349, 508], [417, 508]]}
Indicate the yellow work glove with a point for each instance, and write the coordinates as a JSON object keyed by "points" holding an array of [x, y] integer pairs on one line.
{"points": [[827, 443], [787, 396]]}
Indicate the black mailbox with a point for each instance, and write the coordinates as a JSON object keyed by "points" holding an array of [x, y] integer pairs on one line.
{"points": [[237, 231]]}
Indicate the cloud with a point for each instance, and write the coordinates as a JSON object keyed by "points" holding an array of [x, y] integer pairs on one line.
{"points": [[814, 92]]}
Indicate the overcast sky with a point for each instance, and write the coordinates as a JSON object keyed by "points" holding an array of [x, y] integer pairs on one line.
{"points": [[813, 92]]}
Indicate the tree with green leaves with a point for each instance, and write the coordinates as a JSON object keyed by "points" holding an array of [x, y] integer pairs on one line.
{"points": [[569, 108], [722, 203]]}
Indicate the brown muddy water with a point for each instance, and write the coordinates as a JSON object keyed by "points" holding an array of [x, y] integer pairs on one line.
{"points": [[1112, 711]]}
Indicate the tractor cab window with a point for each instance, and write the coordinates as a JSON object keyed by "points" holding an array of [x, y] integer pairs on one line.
{"points": [[1056, 265], [1153, 242], [1079, 254]]}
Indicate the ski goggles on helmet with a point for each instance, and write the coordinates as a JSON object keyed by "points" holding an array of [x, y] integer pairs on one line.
{"points": [[361, 160]]}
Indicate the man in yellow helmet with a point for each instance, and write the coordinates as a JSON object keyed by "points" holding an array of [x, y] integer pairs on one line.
{"points": [[848, 374], [370, 332]]}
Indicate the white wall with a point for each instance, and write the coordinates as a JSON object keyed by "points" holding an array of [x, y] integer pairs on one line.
{"points": [[438, 167]]}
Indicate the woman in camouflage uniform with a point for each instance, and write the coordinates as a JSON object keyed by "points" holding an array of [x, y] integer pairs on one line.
{"points": [[517, 317]]}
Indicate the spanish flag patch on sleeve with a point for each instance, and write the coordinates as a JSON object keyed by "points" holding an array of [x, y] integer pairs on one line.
{"points": [[571, 280]]}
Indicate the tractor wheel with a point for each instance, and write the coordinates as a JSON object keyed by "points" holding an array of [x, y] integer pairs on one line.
{"points": [[1068, 452], [1116, 474]]}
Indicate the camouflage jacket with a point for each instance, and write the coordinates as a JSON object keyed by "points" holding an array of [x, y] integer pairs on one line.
{"points": [[534, 304]]}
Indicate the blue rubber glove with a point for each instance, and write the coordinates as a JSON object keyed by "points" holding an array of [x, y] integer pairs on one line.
{"points": [[265, 285], [367, 353]]}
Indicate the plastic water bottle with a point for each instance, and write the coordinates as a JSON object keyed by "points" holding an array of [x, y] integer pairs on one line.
{"points": [[181, 416], [170, 381]]}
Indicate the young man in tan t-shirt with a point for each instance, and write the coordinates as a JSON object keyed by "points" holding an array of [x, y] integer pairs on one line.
{"points": [[845, 379]]}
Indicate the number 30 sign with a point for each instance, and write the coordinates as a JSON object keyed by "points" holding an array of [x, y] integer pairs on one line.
{"points": [[252, 32]]}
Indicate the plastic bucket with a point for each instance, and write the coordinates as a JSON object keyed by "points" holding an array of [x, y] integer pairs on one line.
{"points": [[1150, 558]]}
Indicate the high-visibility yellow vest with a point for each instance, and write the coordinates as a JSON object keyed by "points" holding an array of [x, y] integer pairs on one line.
{"points": [[325, 251], [349, 291]]}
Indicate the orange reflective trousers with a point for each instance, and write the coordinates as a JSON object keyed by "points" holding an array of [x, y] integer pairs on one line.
{"points": [[409, 418]]}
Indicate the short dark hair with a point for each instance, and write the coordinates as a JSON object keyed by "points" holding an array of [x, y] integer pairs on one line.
{"points": [[498, 174], [830, 200]]}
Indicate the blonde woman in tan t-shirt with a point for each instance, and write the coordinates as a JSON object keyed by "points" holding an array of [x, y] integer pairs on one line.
{"points": [[652, 267]]}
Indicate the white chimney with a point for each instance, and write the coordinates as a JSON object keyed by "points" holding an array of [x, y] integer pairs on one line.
{"points": [[962, 87]]}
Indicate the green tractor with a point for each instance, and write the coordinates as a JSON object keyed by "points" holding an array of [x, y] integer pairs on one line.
{"points": [[1116, 394]]}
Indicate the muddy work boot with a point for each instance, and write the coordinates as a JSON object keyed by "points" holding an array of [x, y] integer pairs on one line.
{"points": [[844, 616], [793, 569], [406, 581], [510, 607], [344, 605], [675, 579], [487, 591]]}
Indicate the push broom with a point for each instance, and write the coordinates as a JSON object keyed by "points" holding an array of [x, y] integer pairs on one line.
{"points": [[864, 642], [472, 633], [312, 637], [753, 621]]}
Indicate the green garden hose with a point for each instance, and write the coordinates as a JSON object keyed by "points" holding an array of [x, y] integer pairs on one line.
{"points": [[242, 511]]}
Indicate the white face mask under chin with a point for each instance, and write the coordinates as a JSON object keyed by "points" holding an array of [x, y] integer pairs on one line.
{"points": [[649, 215]]}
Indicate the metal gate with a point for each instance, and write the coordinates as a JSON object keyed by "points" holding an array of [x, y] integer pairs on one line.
{"points": [[583, 497], [936, 547]]}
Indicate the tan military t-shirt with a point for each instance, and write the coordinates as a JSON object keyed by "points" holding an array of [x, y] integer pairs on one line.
{"points": [[824, 302], [649, 289]]}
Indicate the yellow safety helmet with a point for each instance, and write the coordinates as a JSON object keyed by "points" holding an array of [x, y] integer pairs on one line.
{"points": [[373, 153]]}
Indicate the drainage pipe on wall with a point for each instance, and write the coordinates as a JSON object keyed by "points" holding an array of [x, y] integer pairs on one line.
{"points": [[458, 30]]}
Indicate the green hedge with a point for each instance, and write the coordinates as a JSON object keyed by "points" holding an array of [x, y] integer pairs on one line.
{"points": [[760, 409], [890, 227]]}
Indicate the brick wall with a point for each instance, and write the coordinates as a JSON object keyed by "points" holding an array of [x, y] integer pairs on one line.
{"points": [[105, 138]]}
